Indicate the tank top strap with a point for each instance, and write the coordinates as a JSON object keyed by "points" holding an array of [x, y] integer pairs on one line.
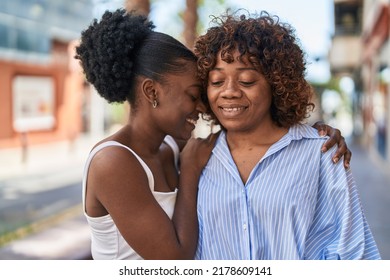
{"points": [[103, 145], [175, 148]]}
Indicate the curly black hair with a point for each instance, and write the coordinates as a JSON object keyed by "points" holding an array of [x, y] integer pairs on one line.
{"points": [[272, 48], [123, 46]]}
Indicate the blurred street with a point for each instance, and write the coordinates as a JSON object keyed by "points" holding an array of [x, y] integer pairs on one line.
{"points": [[40, 202], [373, 180], [45, 193]]}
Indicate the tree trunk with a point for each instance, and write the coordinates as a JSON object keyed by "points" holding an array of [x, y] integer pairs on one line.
{"points": [[140, 6], [190, 19]]}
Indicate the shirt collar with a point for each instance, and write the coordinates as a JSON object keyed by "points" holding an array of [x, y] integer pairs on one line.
{"points": [[296, 132]]}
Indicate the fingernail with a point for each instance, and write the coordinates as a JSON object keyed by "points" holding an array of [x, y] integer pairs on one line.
{"points": [[323, 149], [335, 160], [347, 165], [322, 133]]}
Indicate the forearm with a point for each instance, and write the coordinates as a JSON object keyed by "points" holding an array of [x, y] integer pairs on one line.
{"points": [[193, 159], [185, 217]]}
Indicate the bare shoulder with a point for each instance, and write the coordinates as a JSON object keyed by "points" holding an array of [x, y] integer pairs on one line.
{"points": [[110, 173], [116, 170], [115, 160]]}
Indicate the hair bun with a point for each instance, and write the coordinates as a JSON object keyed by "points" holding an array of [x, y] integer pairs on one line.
{"points": [[107, 51]]}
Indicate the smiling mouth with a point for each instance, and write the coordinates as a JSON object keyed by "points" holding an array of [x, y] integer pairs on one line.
{"points": [[233, 109], [191, 121]]}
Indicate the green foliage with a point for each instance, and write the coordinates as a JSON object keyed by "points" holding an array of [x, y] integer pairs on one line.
{"points": [[117, 113], [332, 84]]}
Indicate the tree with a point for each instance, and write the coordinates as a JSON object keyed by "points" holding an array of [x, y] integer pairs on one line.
{"points": [[140, 6], [190, 18]]}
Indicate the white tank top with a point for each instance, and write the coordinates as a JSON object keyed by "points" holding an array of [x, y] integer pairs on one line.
{"points": [[107, 243]]}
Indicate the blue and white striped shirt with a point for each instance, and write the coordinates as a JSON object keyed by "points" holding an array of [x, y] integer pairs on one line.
{"points": [[296, 204]]}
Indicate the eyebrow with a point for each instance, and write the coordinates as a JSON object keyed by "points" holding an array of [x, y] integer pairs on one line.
{"points": [[240, 69]]}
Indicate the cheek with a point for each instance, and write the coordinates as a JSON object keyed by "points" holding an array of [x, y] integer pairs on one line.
{"points": [[262, 95], [183, 107], [211, 96], [187, 106]]}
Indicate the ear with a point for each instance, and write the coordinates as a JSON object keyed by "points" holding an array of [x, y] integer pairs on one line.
{"points": [[149, 90]]}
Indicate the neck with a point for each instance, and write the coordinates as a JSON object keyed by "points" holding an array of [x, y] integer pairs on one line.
{"points": [[141, 136], [265, 135]]}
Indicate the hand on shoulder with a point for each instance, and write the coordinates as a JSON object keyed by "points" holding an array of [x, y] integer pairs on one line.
{"points": [[197, 151]]}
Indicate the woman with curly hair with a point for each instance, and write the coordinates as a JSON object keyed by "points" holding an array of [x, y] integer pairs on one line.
{"points": [[267, 192], [134, 201]]}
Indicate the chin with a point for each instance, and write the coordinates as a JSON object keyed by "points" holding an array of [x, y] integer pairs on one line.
{"points": [[183, 137], [231, 126]]}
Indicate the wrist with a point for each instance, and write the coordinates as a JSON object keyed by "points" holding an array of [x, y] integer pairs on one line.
{"points": [[191, 170]]}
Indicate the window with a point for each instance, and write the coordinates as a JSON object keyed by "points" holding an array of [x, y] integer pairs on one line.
{"points": [[348, 18]]}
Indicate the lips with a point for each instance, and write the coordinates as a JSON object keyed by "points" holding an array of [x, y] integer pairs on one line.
{"points": [[192, 120], [232, 110]]}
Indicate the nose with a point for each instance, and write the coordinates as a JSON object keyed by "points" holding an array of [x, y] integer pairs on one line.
{"points": [[231, 90]]}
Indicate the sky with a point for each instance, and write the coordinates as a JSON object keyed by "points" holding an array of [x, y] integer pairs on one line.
{"points": [[312, 20]]}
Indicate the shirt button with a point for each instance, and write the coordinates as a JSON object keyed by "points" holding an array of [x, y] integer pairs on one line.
{"points": [[244, 227]]}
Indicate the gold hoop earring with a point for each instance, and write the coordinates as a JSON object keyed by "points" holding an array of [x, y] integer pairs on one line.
{"points": [[155, 103]]}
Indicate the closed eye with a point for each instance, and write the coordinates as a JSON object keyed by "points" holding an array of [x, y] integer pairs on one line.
{"points": [[194, 98], [247, 84], [216, 83]]}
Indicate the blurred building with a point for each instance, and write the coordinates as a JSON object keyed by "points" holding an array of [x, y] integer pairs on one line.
{"points": [[375, 75], [361, 51], [41, 85], [346, 48]]}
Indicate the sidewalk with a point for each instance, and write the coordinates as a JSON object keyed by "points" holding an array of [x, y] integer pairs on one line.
{"points": [[66, 235], [372, 176], [68, 238]]}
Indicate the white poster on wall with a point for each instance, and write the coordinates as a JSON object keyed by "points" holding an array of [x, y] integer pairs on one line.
{"points": [[33, 103]]}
